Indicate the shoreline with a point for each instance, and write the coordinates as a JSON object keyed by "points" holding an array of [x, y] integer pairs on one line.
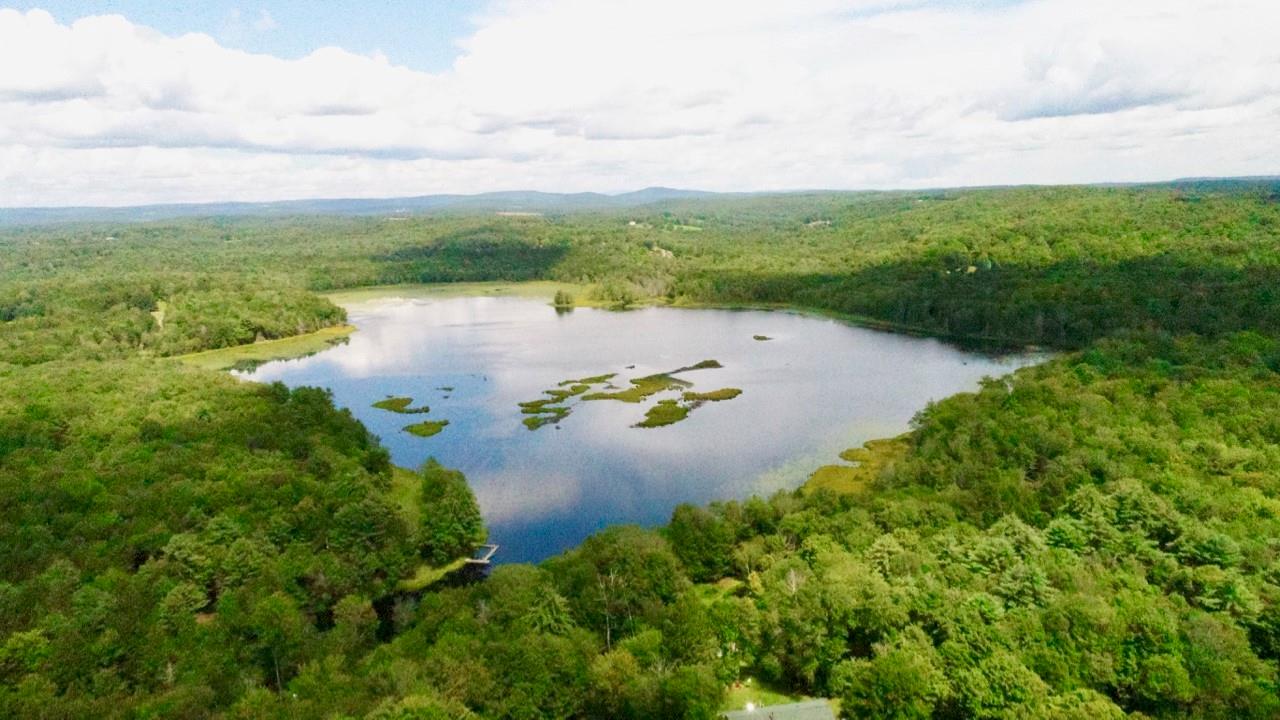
{"points": [[823, 476]]}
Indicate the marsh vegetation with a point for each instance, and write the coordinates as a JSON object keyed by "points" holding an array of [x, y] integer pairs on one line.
{"points": [[553, 408], [426, 428], [400, 405]]}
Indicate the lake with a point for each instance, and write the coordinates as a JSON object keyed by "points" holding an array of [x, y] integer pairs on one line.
{"points": [[813, 388]]}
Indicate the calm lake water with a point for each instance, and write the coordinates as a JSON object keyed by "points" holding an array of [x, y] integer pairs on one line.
{"points": [[817, 387]]}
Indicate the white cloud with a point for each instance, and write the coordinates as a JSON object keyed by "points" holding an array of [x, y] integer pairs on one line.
{"points": [[581, 95]]}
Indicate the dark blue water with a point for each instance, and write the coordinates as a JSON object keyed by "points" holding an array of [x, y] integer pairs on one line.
{"points": [[817, 387]]}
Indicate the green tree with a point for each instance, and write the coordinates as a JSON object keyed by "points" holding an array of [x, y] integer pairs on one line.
{"points": [[904, 679], [451, 525]]}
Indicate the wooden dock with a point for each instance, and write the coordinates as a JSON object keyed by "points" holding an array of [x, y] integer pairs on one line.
{"points": [[483, 555]]}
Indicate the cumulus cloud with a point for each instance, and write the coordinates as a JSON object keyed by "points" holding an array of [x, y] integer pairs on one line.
{"points": [[580, 95]]}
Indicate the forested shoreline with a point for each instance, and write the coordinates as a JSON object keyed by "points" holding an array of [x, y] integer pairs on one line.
{"points": [[1092, 537]]}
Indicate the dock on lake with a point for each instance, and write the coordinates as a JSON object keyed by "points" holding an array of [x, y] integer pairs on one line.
{"points": [[482, 555]]}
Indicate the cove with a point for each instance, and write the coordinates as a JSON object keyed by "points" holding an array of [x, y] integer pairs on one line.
{"points": [[815, 388]]}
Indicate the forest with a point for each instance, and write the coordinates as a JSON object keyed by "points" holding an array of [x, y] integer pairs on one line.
{"points": [[1094, 537]]}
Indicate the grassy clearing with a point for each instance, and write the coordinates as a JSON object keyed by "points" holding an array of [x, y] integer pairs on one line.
{"points": [[426, 575], [426, 428], [868, 461], [250, 356], [406, 489], [666, 412], [722, 589], [401, 405], [750, 690], [713, 396]]}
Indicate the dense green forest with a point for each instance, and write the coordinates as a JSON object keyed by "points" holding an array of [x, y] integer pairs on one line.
{"points": [[1097, 536]]}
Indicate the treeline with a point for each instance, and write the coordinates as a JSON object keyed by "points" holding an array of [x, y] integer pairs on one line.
{"points": [[1093, 537], [1058, 267], [171, 537], [1090, 538], [150, 314]]}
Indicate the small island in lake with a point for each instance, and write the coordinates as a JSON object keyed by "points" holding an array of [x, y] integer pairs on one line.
{"points": [[426, 428], [401, 405], [553, 408]]}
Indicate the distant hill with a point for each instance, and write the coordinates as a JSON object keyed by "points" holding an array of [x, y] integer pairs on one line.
{"points": [[512, 201], [509, 201]]}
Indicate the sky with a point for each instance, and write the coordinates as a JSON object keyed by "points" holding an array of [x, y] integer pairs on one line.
{"points": [[124, 103]]}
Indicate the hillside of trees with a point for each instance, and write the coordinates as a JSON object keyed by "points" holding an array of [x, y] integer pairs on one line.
{"points": [[1093, 537]]}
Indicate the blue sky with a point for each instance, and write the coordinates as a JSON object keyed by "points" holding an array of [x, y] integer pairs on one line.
{"points": [[117, 103], [421, 35]]}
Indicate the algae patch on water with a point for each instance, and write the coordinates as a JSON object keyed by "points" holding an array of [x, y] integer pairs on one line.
{"points": [[401, 405], [556, 407], [426, 428]]}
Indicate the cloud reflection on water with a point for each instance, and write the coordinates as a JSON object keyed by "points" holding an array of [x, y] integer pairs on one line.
{"points": [[818, 387]]}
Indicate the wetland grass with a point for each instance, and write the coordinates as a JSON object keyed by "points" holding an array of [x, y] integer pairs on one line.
{"points": [[548, 410], [534, 422], [642, 388], [713, 396], [401, 405], [552, 409], [426, 428], [704, 365], [593, 380], [666, 412], [249, 357], [868, 462]]}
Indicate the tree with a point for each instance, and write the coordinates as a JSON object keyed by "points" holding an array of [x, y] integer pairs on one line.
{"points": [[703, 542], [450, 525], [903, 680]]}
